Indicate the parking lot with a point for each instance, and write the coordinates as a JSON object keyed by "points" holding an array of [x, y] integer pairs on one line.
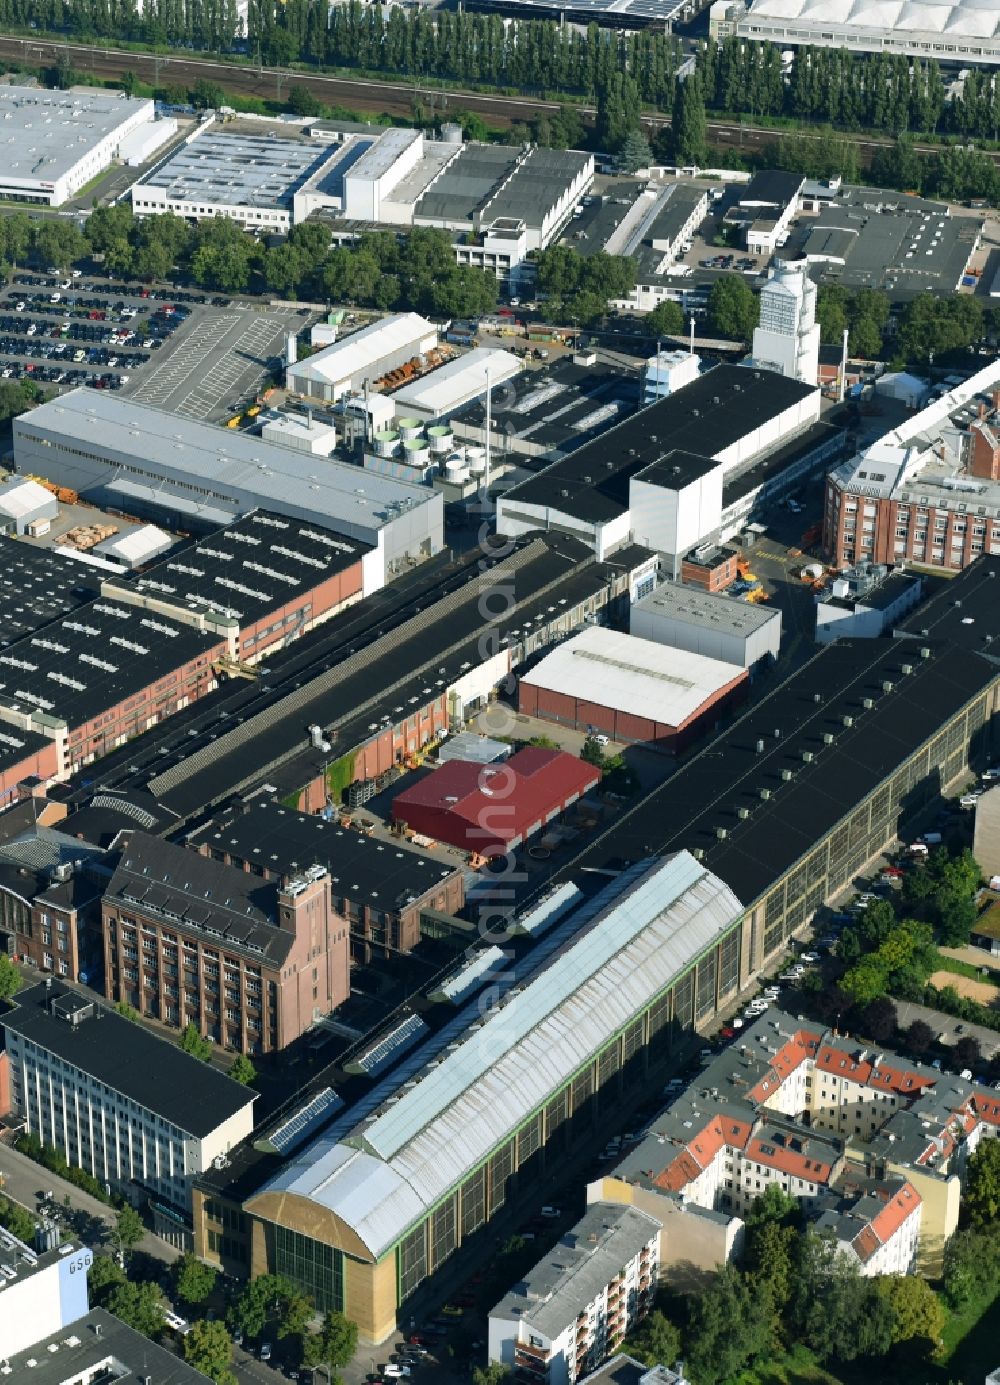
{"points": [[217, 363], [79, 331]]}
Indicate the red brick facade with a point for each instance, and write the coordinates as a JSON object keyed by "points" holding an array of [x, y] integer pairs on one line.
{"points": [[306, 610]]}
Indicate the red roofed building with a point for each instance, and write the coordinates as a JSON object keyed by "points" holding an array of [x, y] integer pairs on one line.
{"points": [[490, 809]]}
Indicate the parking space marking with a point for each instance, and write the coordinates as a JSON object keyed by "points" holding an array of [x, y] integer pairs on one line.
{"points": [[187, 357], [242, 358]]}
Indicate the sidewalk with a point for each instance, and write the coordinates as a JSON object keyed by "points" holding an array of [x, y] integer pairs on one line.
{"points": [[24, 1180]]}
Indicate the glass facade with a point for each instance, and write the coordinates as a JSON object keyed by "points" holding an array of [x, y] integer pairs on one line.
{"points": [[316, 1269]]}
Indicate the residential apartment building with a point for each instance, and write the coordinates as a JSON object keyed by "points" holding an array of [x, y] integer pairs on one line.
{"points": [[189, 940], [575, 1307], [929, 491], [132, 1109]]}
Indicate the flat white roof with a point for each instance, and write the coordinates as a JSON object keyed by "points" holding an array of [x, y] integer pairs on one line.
{"points": [[707, 610], [363, 348], [293, 426], [457, 382], [20, 497], [632, 675], [137, 546], [44, 134], [971, 19]]}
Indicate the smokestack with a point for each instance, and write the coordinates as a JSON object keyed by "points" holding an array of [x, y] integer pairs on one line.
{"points": [[843, 371], [291, 348]]}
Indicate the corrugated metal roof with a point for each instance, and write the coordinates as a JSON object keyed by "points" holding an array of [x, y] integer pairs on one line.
{"points": [[473, 1097], [363, 348]]}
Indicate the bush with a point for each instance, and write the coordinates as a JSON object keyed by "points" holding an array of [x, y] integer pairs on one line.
{"points": [[53, 1160]]}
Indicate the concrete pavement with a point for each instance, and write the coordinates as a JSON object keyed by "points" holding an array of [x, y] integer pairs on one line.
{"points": [[949, 1028], [24, 1180]]}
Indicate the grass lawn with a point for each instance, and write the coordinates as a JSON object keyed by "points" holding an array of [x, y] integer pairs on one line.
{"points": [[799, 1367], [971, 1343]]}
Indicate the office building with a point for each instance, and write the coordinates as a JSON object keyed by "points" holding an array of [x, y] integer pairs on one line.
{"points": [[381, 1199], [787, 336], [928, 491], [133, 457], [361, 358], [50, 896], [132, 1109], [251, 964], [44, 1290], [574, 1307], [631, 689], [714, 626], [765, 208], [489, 810], [381, 888], [55, 142]]}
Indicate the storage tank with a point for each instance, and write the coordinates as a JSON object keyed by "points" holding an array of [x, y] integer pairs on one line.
{"points": [[385, 442], [416, 451], [476, 459], [454, 469], [441, 439], [409, 427], [451, 133]]}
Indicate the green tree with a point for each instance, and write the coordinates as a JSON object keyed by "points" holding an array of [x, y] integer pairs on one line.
{"points": [[195, 1043], [243, 1070], [139, 1305], [56, 243], [334, 1344], [865, 340], [732, 307], [206, 95], [105, 1275], [656, 1341], [635, 152], [690, 126], [836, 1312], [666, 319], [260, 1297], [128, 1229], [919, 1038], [128, 82], [296, 1310], [301, 101], [916, 1308], [492, 1374], [970, 1268], [208, 1347], [982, 1191], [10, 978], [729, 1326], [18, 1220], [127, 1011], [193, 1279]]}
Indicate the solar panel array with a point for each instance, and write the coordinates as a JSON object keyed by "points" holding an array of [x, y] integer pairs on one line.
{"points": [[391, 1045], [301, 1124]]}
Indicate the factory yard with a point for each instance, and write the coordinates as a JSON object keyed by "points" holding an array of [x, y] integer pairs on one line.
{"points": [[219, 361]]}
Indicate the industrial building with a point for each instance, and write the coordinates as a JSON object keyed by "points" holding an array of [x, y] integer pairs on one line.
{"points": [[577, 1304], [37, 585], [361, 357], [631, 689], [902, 245], [362, 1213], [866, 602], [960, 33], [659, 476], [98, 1346], [55, 142], [250, 178], [928, 491], [440, 655], [258, 584], [45, 1290], [381, 888], [667, 372], [136, 547], [131, 1109], [436, 397], [133, 457], [786, 338], [262, 962], [488, 810], [765, 208], [718, 627], [527, 430], [299, 431]]}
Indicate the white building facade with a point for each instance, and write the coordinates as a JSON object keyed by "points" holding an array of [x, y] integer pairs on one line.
{"points": [[787, 337]]}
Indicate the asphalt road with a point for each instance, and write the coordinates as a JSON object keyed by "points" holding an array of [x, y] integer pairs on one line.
{"points": [[360, 94], [24, 1180], [948, 1028]]}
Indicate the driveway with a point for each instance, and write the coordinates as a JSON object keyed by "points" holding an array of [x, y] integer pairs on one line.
{"points": [[24, 1180]]}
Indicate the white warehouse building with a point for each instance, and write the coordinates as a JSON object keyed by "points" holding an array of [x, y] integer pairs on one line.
{"points": [[144, 461], [365, 355], [720, 627], [449, 388], [52, 143]]}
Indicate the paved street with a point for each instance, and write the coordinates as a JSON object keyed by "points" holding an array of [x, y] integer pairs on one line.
{"points": [[24, 1180]]}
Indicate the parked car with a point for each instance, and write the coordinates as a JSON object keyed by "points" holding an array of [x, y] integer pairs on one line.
{"points": [[265, 1351]]}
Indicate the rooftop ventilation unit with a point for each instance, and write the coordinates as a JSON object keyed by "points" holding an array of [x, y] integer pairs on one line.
{"points": [[722, 833], [906, 668], [925, 653], [743, 813], [808, 757], [828, 738], [887, 685], [868, 703], [786, 774], [847, 720]]}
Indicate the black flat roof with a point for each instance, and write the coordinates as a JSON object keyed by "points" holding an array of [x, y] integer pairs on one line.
{"points": [[351, 705], [386, 875], [251, 567], [964, 609], [888, 591], [677, 469], [705, 417], [772, 186], [125, 1056], [819, 436], [728, 774], [37, 585], [200, 894], [93, 658]]}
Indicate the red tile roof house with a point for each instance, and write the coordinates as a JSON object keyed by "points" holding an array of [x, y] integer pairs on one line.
{"points": [[490, 809]]}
